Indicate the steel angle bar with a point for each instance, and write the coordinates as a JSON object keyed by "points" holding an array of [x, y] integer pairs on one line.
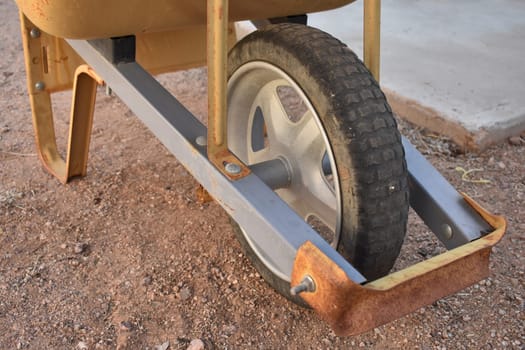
{"points": [[441, 207], [277, 229]]}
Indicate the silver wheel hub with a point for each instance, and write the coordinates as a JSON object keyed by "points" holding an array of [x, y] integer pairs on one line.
{"points": [[270, 117]]}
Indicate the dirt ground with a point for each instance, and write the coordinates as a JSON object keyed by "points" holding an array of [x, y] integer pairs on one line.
{"points": [[126, 257]]}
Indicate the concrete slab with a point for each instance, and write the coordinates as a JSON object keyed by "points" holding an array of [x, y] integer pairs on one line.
{"points": [[455, 67]]}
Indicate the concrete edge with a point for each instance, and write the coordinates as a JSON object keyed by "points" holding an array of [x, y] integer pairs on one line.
{"points": [[438, 122]]}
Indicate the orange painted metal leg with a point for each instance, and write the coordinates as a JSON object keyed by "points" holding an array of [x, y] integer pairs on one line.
{"points": [[40, 87], [217, 50]]}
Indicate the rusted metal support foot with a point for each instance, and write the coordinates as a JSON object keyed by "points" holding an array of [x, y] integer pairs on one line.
{"points": [[351, 308], [40, 86]]}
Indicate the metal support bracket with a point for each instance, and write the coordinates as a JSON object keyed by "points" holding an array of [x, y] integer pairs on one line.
{"points": [[351, 308], [218, 151], [85, 82]]}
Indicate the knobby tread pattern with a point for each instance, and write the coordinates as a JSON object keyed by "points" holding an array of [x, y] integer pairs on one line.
{"points": [[362, 131]]}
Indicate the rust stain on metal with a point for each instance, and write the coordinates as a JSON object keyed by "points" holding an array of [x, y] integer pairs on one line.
{"points": [[221, 157], [202, 195], [352, 309]]}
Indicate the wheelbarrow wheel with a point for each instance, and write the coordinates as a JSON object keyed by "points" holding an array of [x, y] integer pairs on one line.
{"points": [[300, 95]]}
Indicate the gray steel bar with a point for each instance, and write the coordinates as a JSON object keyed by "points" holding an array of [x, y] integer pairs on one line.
{"points": [[440, 206], [274, 227]]}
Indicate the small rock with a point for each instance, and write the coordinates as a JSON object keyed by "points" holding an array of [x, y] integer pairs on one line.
{"points": [[515, 141], [126, 326], [163, 346], [501, 165], [185, 293], [146, 281], [82, 345], [80, 248], [326, 342], [63, 246], [196, 344], [501, 312]]}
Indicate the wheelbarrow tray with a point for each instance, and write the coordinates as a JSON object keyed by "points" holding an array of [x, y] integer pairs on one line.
{"points": [[89, 19]]}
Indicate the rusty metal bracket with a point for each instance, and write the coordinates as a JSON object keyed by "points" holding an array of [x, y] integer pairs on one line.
{"points": [[218, 153], [351, 308], [40, 86]]}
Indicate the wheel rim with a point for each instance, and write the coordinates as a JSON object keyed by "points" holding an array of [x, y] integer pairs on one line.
{"points": [[269, 117]]}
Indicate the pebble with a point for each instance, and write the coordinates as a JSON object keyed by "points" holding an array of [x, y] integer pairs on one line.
{"points": [[185, 293], [196, 344], [126, 326], [80, 248], [163, 346], [82, 345], [501, 165], [146, 281], [515, 141]]}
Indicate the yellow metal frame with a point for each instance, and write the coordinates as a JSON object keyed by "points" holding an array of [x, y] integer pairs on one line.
{"points": [[44, 78], [218, 151], [52, 66], [372, 36]]}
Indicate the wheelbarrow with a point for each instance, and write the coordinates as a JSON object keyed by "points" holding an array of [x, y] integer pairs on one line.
{"points": [[300, 149]]}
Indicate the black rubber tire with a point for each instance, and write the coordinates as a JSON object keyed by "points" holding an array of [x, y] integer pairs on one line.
{"points": [[363, 135]]}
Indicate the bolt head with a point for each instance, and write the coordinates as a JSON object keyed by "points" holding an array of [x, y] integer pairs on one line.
{"points": [[201, 141], [232, 168], [35, 33], [447, 231], [40, 86]]}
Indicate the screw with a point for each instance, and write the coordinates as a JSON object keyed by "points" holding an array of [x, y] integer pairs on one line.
{"points": [[306, 285], [40, 85], [35, 33], [447, 231], [201, 141], [232, 168], [391, 188]]}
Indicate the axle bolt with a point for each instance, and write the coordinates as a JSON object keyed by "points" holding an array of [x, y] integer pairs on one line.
{"points": [[306, 285], [232, 168]]}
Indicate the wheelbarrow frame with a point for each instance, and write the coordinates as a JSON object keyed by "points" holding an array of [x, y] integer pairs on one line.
{"points": [[335, 289]]}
